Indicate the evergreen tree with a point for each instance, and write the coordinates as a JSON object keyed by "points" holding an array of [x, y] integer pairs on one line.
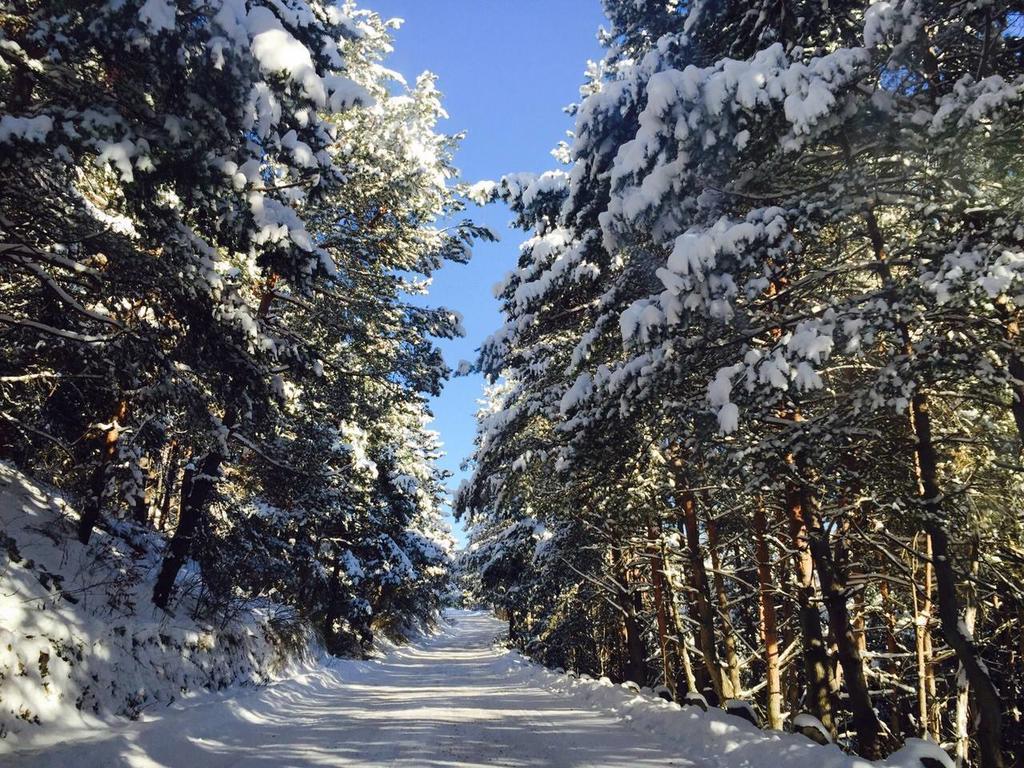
{"points": [[215, 221], [797, 239]]}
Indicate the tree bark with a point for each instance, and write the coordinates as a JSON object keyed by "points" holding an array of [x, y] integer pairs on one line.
{"points": [[815, 654], [889, 613], [657, 562], [140, 509], [1015, 367], [685, 680], [769, 625], [921, 598], [701, 591], [732, 661], [990, 708], [792, 692], [170, 477], [196, 493], [634, 663], [962, 713], [833, 587], [98, 487]]}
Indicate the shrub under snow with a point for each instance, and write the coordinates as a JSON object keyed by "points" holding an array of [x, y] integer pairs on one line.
{"points": [[79, 635]]}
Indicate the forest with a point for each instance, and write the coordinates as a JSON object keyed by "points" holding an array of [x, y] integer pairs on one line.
{"points": [[757, 409], [208, 249], [752, 436]]}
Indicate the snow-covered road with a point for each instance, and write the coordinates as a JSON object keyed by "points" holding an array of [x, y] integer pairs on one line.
{"points": [[449, 700]]}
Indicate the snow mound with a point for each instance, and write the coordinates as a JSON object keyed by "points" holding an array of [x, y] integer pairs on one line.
{"points": [[699, 733], [79, 638]]}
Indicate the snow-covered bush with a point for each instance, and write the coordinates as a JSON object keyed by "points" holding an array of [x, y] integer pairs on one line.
{"points": [[79, 637]]}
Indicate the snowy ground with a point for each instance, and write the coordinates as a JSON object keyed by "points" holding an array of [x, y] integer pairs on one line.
{"points": [[80, 640], [451, 700]]}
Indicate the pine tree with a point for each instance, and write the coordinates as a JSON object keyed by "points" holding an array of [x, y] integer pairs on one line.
{"points": [[216, 220], [796, 278]]}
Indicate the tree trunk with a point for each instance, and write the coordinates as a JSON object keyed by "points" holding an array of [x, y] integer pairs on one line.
{"points": [[689, 678], [833, 587], [141, 507], [990, 708], [196, 492], [1015, 367], [657, 562], [705, 616], [792, 692], [732, 661], [170, 477], [334, 607], [685, 678], [769, 627], [98, 490], [889, 613], [634, 665], [816, 662], [635, 668], [962, 714], [921, 598]]}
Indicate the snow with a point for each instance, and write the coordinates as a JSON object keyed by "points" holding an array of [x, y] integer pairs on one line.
{"points": [[119, 154], [806, 722], [877, 23], [742, 709], [278, 52], [452, 699], [81, 643], [719, 392], [158, 15], [911, 754], [449, 700], [581, 389], [25, 128]]}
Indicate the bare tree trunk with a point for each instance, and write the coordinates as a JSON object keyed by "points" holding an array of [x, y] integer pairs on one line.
{"points": [[990, 707], [634, 667], [334, 608], [687, 664], [705, 617], [143, 500], [160, 472], [170, 477], [98, 490], [685, 679], [732, 661], [769, 628], [962, 715], [1015, 367], [816, 662], [833, 586], [889, 612], [921, 597], [791, 688], [196, 493], [657, 562]]}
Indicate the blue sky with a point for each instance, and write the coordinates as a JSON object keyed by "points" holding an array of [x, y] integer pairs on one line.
{"points": [[506, 69]]}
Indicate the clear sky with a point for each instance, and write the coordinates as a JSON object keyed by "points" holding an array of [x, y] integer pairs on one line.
{"points": [[506, 69]]}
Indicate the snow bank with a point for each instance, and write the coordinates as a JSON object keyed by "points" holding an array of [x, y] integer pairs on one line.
{"points": [[698, 733], [79, 637]]}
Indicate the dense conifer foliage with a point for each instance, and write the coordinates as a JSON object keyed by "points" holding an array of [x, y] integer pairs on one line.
{"points": [[755, 428], [213, 217]]}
